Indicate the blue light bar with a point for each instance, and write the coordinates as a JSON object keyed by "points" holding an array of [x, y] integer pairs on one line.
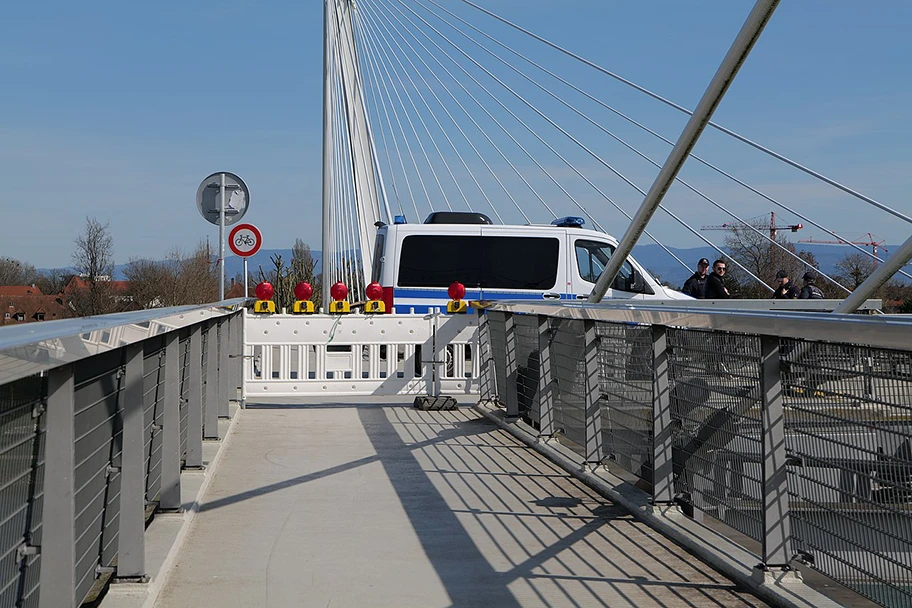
{"points": [[399, 219], [569, 222]]}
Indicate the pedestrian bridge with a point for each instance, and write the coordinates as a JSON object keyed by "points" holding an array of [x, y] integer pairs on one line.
{"points": [[584, 456]]}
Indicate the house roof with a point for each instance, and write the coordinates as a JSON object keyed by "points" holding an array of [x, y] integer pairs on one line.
{"points": [[53, 307], [77, 282], [20, 290]]}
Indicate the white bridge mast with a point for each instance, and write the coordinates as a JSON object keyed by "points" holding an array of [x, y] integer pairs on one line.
{"points": [[341, 70]]}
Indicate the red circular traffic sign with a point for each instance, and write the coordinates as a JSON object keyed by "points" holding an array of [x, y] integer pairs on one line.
{"points": [[245, 240]]}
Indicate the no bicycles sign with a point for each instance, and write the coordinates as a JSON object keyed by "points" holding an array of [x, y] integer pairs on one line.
{"points": [[245, 240]]}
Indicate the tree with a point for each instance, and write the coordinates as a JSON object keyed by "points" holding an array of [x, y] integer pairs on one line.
{"points": [[853, 269], [179, 279], [93, 260], [53, 281], [14, 272], [284, 277], [761, 257]]}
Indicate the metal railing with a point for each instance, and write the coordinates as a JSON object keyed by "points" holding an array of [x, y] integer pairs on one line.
{"points": [[97, 418], [794, 429]]}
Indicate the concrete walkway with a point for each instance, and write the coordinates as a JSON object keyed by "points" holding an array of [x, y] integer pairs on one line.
{"points": [[384, 505]]}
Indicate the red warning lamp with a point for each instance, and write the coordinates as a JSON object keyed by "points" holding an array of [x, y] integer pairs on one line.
{"points": [[374, 291], [303, 305], [303, 290], [264, 291], [339, 292], [456, 292], [374, 304], [264, 303]]}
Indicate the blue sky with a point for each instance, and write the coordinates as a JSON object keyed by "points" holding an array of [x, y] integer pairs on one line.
{"points": [[118, 110]]}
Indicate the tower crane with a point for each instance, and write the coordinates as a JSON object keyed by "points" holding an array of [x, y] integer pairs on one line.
{"points": [[773, 228], [872, 242]]}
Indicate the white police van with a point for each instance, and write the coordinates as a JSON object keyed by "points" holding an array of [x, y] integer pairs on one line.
{"points": [[416, 263]]}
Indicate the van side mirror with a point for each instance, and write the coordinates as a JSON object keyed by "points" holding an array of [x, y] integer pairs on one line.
{"points": [[634, 283], [637, 284]]}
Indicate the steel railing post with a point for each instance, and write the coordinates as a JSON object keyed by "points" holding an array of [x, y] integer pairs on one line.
{"points": [[511, 367], [240, 326], [247, 359], [224, 369], [545, 394], [592, 394], [131, 543], [210, 409], [662, 463], [776, 524], [171, 452], [194, 457], [58, 545]]}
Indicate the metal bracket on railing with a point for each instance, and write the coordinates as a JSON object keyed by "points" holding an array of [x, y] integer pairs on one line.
{"points": [[804, 557], [40, 409], [25, 550], [102, 570], [121, 372], [111, 470], [156, 427]]}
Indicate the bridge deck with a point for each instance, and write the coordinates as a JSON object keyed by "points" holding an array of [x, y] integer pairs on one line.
{"points": [[384, 505]]}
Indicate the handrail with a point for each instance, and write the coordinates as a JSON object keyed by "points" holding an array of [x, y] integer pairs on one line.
{"points": [[883, 331], [36, 347]]}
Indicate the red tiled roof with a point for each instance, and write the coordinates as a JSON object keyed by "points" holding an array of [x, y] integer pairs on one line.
{"points": [[19, 290], [29, 307], [77, 282]]}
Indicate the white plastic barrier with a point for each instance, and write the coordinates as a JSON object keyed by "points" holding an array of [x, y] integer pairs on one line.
{"points": [[432, 354]]}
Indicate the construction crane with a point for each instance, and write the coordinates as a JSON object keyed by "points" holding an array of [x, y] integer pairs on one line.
{"points": [[773, 228], [872, 242]]}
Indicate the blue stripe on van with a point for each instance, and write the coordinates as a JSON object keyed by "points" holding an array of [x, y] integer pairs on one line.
{"points": [[423, 300], [473, 294]]}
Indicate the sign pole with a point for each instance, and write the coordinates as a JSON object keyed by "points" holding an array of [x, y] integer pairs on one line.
{"points": [[246, 291], [222, 237]]}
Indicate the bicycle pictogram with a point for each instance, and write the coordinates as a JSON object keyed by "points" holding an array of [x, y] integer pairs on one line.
{"points": [[245, 240]]}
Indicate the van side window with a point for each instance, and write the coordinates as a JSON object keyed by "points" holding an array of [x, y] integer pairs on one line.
{"points": [[592, 257], [378, 258], [503, 262]]}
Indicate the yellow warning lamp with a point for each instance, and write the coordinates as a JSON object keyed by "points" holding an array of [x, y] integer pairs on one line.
{"points": [[456, 292], [303, 306], [264, 303], [374, 302], [339, 305]]}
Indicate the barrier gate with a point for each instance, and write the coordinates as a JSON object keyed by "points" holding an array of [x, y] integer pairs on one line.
{"points": [[334, 355]]}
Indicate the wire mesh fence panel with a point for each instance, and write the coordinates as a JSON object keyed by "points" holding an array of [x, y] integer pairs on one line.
{"points": [[497, 340], [625, 365], [568, 375], [98, 427], [715, 408], [849, 423], [528, 367], [153, 414], [487, 389], [21, 483], [184, 390]]}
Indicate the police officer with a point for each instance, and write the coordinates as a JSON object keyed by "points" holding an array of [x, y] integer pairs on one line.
{"points": [[786, 290], [695, 286]]}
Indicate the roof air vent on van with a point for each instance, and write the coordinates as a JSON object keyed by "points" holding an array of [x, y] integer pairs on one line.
{"points": [[569, 222], [457, 217]]}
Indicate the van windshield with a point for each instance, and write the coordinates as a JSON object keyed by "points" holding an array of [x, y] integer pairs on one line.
{"points": [[502, 262], [592, 257]]}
